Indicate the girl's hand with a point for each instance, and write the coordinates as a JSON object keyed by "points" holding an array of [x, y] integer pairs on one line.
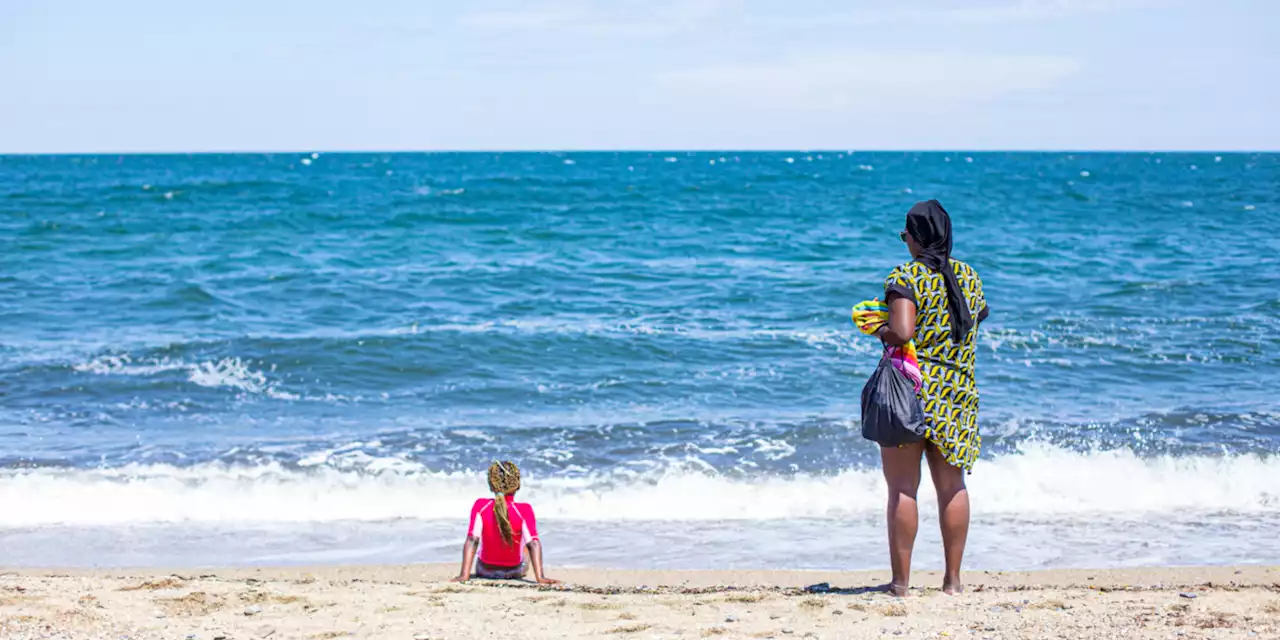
{"points": [[459, 579], [546, 580]]}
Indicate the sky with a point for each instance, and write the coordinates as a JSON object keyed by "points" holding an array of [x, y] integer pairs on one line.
{"points": [[329, 75]]}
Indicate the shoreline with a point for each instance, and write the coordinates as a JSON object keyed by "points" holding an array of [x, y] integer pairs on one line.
{"points": [[575, 578], [418, 602]]}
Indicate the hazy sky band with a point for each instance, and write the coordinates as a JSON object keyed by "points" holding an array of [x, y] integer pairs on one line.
{"points": [[137, 75]]}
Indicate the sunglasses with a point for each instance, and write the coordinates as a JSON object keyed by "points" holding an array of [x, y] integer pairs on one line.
{"points": [[902, 235]]}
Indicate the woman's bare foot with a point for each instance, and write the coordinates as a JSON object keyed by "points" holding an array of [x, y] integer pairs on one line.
{"points": [[895, 589], [952, 586]]}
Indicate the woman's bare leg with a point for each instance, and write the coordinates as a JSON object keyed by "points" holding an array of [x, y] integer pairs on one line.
{"points": [[902, 475], [953, 514]]}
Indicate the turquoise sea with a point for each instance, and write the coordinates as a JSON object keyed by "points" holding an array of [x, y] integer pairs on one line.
{"points": [[303, 357]]}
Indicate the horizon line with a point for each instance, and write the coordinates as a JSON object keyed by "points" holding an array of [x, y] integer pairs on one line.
{"points": [[844, 150]]}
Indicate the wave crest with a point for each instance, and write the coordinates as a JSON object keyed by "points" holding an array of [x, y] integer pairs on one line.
{"points": [[232, 373], [1039, 482]]}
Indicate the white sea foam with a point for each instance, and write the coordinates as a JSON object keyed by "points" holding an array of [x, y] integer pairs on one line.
{"points": [[844, 341], [232, 373], [1039, 483]]}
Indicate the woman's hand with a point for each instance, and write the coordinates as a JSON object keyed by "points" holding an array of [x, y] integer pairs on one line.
{"points": [[546, 580], [459, 579]]}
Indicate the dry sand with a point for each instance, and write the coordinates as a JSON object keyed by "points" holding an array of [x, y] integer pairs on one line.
{"points": [[415, 602]]}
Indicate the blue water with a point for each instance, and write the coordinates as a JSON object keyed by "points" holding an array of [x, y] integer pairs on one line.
{"points": [[324, 348]]}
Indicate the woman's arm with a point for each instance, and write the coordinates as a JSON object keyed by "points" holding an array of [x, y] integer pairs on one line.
{"points": [[535, 558], [901, 327], [468, 557]]}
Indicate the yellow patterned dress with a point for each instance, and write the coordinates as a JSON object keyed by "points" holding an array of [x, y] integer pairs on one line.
{"points": [[950, 393]]}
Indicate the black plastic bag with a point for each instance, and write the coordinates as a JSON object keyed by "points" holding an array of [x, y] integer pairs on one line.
{"points": [[891, 412]]}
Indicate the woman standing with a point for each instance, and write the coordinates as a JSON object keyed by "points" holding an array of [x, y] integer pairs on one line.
{"points": [[938, 302]]}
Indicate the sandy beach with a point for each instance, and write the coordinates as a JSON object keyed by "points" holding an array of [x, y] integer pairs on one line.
{"points": [[417, 602]]}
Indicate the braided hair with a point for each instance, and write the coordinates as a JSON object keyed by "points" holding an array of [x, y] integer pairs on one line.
{"points": [[504, 480]]}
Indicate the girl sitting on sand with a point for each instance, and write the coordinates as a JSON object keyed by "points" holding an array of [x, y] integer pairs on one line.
{"points": [[502, 528]]}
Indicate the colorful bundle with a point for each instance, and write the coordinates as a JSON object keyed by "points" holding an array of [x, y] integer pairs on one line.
{"points": [[870, 316]]}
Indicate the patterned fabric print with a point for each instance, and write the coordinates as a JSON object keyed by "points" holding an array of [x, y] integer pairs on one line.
{"points": [[950, 394]]}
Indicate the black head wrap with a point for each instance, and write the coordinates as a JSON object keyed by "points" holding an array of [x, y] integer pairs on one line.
{"points": [[930, 226]]}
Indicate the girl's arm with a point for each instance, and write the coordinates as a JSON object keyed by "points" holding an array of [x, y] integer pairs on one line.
{"points": [[535, 558], [901, 327], [468, 556]]}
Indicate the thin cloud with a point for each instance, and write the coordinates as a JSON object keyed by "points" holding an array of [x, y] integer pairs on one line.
{"points": [[674, 16], [614, 19], [939, 12], [869, 81], [546, 17]]}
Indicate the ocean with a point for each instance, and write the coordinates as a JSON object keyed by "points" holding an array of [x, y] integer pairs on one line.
{"points": [[311, 358]]}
